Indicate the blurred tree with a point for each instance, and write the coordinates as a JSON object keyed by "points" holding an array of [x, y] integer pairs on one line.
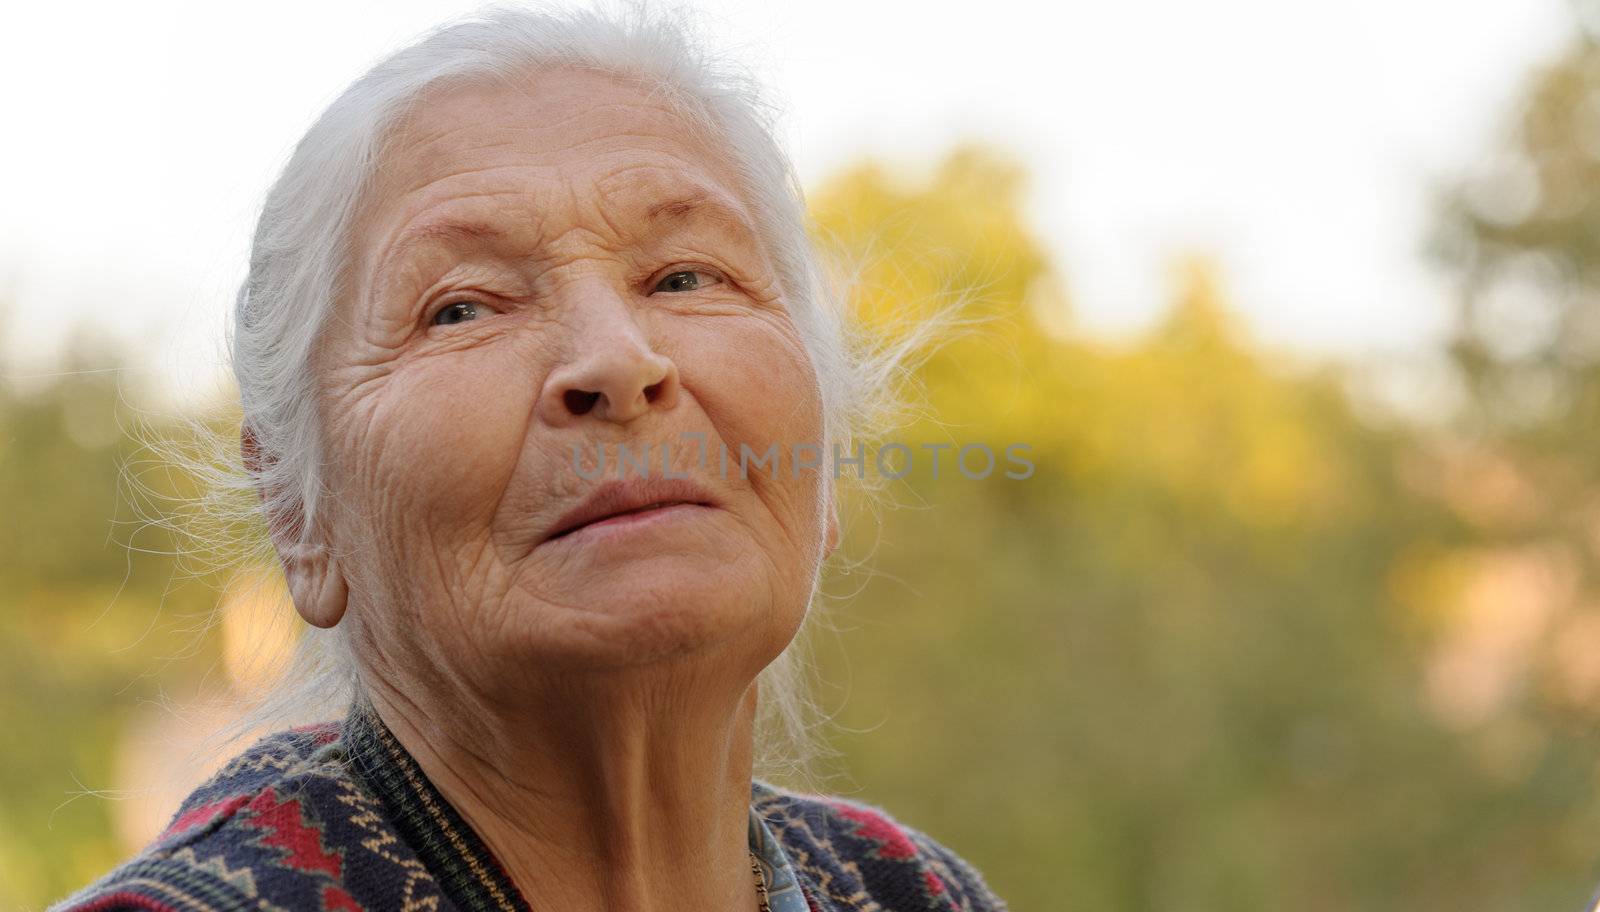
{"points": [[1522, 238], [93, 617], [1185, 664]]}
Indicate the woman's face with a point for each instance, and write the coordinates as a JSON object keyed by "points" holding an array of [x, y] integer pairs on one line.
{"points": [[563, 264]]}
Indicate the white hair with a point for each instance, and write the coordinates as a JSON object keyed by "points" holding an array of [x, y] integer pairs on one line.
{"points": [[299, 266]]}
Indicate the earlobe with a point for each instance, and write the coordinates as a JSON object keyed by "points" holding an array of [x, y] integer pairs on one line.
{"points": [[316, 584]]}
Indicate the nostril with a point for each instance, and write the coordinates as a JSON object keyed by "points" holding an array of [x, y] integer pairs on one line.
{"points": [[653, 392], [579, 402]]}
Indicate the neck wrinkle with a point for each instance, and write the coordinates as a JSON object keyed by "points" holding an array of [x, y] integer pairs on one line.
{"points": [[650, 813]]}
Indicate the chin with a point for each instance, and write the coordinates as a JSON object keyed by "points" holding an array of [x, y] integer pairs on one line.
{"points": [[653, 609]]}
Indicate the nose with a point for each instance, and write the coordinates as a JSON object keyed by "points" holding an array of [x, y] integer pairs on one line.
{"points": [[613, 375]]}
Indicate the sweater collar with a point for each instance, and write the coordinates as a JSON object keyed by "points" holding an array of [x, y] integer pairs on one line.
{"points": [[453, 853], [466, 870]]}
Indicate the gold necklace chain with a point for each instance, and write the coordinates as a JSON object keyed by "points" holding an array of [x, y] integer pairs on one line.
{"points": [[761, 883]]}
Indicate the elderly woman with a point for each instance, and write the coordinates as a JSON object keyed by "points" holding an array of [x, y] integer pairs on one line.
{"points": [[506, 255]]}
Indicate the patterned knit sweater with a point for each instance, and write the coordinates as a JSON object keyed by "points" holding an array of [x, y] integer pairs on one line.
{"points": [[340, 817]]}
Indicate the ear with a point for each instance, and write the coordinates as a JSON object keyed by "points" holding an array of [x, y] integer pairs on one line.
{"points": [[316, 582]]}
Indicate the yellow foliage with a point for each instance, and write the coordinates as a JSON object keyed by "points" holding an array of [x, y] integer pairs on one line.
{"points": [[1189, 406]]}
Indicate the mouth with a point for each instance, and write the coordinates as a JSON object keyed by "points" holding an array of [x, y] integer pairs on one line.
{"points": [[631, 502]]}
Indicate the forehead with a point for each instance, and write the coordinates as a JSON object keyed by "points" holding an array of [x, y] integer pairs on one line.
{"points": [[554, 140]]}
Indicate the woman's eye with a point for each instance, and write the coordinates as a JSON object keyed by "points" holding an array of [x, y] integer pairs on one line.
{"points": [[686, 280], [459, 312]]}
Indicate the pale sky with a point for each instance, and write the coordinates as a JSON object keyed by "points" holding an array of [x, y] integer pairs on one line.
{"points": [[1296, 143]]}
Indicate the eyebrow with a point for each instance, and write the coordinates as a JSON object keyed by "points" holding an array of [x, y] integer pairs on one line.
{"points": [[699, 206], [449, 233], [696, 206]]}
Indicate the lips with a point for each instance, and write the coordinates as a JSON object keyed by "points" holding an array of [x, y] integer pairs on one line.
{"points": [[632, 496]]}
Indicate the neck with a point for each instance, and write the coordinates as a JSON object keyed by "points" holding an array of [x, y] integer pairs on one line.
{"points": [[598, 800]]}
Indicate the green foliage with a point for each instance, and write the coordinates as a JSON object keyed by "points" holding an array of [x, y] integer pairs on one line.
{"points": [[92, 625], [1177, 666]]}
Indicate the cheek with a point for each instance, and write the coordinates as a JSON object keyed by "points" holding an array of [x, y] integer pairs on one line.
{"points": [[757, 381], [757, 386], [438, 438]]}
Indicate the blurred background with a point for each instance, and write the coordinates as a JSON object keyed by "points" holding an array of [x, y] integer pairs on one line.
{"points": [[1298, 307]]}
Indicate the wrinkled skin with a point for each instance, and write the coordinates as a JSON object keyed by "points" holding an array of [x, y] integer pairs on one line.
{"points": [[447, 451]]}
